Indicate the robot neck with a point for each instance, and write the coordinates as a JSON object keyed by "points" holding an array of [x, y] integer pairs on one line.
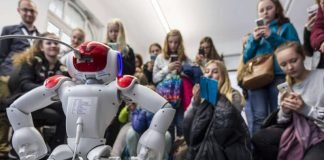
{"points": [[93, 81]]}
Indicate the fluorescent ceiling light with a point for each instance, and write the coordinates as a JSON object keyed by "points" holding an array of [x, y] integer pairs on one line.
{"points": [[161, 16]]}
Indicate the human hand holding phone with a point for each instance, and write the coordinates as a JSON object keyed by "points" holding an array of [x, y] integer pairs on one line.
{"points": [[261, 30], [176, 65], [312, 9], [310, 21], [173, 57]]}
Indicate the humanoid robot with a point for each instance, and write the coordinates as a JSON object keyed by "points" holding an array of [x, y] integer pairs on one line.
{"points": [[90, 102]]}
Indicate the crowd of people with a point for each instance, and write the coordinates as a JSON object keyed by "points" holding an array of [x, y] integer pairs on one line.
{"points": [[279, 125]]}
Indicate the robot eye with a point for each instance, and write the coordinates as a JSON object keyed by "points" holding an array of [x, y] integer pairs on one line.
{"points": [[85, 59]]}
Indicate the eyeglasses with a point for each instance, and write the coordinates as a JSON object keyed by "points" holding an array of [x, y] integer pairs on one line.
{"points": [[26, 10]]}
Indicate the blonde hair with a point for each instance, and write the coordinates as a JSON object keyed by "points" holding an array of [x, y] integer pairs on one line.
{"points": [[297, 48], [28, 55], [224, 84], [121, 38], [241, 66], [180, 50], [81, 31]]}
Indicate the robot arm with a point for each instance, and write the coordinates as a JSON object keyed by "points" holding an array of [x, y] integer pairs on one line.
{"points": [[153, 139], [26, 140]]}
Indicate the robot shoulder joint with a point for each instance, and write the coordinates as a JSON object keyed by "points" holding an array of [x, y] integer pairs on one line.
{"points": [[55, 81], [126, 82]]}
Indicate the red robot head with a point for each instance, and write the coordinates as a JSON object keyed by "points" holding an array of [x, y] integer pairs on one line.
{"points": [[95, 60]]}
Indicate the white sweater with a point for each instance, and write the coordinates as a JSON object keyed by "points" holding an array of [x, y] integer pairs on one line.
{"points": [[161, 69], [312, 92]]}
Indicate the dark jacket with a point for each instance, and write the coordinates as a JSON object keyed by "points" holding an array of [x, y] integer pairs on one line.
{"points": [[9, 47], [217, 133], [129, 62], [27, 77]]}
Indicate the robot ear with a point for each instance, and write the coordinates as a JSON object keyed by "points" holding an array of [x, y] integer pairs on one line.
{"points": [[120, 65]]}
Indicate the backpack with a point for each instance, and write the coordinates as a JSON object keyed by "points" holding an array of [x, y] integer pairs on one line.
{"points": [[170, 89]]}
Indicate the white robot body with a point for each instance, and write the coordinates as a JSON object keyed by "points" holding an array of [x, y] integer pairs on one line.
{"points": [[95, 104], [89, 108]]}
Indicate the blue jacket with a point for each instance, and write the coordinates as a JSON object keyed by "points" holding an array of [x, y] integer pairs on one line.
{"points": [[268, 45]]}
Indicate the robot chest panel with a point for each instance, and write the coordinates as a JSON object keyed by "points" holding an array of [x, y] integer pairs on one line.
{"points": [[90, 101]]}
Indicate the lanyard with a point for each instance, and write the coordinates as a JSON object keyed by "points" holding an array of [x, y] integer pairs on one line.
{"points": [[26, 33]]}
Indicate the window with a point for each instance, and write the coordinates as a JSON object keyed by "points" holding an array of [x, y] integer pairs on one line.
{"points": [[52, 28], [64, 15], [56, 7], [73, 17]]}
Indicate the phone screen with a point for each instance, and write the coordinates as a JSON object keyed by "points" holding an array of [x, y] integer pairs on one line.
{"points": [[260, 22], [201, 51], [283, 87], [173, 57]]}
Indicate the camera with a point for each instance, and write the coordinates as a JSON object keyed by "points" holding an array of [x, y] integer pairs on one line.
{"points": [[201, 51], [260, 22], [174, 57]]}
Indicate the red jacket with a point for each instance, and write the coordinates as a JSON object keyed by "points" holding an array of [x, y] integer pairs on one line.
{"points": [[317, 34]]}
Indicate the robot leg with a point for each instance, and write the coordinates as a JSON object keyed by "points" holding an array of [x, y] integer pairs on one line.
{"points": [[61, 152], [152, 141], [100, 152]]}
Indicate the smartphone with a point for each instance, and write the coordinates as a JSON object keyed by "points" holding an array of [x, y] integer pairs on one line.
{"points": [[312, 9], [201, 51], [284, 87], [173, 57], [260, 22]]}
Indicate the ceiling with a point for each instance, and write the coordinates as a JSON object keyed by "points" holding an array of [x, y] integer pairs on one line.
{"points": [[223, 20]]}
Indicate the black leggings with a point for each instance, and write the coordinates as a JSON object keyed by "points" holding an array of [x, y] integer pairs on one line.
{"points": [[52, 115], [266, 145]]}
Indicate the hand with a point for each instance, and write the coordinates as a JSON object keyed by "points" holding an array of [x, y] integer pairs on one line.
{"points": [[196, 93], [200, 58], [176, 65], [293, 102], [322, 47], [266, 32], [310, 21], [282, 107], [257, 33]]}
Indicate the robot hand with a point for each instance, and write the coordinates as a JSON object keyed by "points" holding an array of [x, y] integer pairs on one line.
{"points": [[145, 154], [29, 144]]}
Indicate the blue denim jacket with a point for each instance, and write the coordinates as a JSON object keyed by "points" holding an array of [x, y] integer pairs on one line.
{"points": [[262, 46]]}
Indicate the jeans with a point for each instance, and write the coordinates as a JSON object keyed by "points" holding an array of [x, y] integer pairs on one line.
{"points": [[261, 103]]}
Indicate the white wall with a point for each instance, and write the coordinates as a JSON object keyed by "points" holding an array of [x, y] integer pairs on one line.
{"points": [[10, 16]]}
